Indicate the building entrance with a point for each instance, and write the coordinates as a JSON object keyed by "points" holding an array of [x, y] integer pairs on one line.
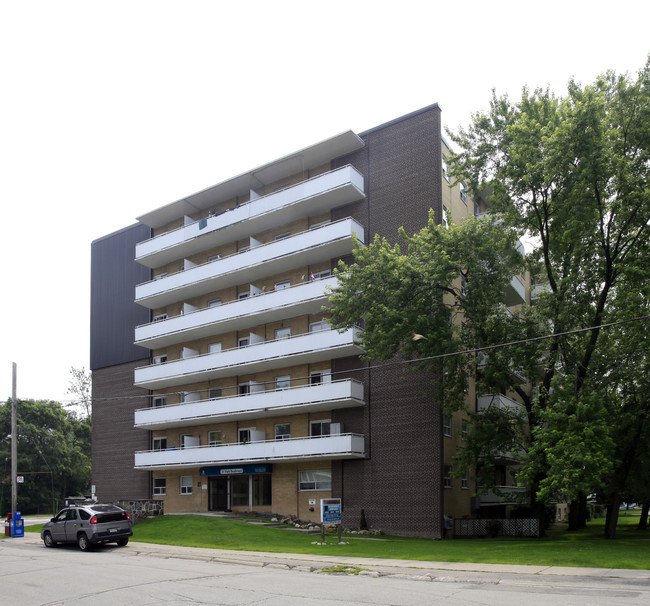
{"points": [[218, 494]]}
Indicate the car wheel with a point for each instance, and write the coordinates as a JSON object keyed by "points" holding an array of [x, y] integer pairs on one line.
{"points": [[48, 540], [123, 542], [83, 542]]}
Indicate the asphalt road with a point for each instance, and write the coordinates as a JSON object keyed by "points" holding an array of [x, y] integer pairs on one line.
{"points": [[143, 574]]}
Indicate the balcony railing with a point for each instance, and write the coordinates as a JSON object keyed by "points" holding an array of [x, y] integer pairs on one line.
{"points": [[269, 355], [302, 299], [326, 242], [311, 197], [499, 401], [344, 393], [341, 446], [515, 292], [502, 495]]}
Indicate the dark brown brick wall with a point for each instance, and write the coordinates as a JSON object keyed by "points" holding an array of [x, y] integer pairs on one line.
{"points": [[399, 485], [114, 439]]}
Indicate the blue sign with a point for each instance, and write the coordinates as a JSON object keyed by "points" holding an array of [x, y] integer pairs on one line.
{"points": [[330, 511]]}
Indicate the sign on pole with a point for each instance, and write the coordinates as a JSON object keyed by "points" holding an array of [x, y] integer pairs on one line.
{"points": [[330, 511]]}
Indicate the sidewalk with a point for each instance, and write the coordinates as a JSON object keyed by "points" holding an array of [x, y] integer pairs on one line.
{"points": [[419, 570]]}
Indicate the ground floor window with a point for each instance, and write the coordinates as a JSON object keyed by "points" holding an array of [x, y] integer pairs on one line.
{"points": [[261, 488], [186, 484], [250, 490], [239, 491], [315, 479], [159, 486]]}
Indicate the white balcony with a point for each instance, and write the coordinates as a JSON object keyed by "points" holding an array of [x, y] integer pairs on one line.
{"points": [[345, 393], [302, 349], [314, 196], [327, 242], [302, 299], [342, 446], [515, 292], [502, 495], [499, 401]]}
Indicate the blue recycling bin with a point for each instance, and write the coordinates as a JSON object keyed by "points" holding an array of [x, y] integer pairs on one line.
{"points": [[16, 525]]}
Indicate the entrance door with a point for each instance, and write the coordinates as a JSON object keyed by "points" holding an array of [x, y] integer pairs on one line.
{"points": [[218, 494]]}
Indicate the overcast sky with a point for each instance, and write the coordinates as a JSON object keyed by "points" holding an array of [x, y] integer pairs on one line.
{"points": [[111, 109]]}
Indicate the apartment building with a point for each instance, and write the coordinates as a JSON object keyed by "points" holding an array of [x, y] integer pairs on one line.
{"points": [[217, 382]]}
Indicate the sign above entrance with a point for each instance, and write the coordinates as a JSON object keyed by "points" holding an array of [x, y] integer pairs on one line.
{"points": [[236, 471]]}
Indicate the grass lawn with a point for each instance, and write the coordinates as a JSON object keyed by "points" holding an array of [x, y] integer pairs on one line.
{"points": [[560, 548]]}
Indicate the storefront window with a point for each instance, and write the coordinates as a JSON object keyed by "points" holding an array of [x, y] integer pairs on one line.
{"points": [[261, 489]]}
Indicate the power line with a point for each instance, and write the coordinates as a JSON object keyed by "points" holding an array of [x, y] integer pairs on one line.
{"points": [[413, 360]]}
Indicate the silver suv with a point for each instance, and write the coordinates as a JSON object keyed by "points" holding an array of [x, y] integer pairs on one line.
{"points": [[87, 526]]}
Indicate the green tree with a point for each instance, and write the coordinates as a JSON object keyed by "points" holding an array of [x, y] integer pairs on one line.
{"points": [[445, 285], [572, 174], [53, 455], [80, 388]]}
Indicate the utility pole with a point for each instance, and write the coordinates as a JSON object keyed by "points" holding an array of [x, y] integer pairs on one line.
{"points": [[14, 444]]}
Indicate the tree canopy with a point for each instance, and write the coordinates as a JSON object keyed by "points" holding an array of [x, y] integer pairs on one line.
{"points": [[570, 174], [53, 455]]}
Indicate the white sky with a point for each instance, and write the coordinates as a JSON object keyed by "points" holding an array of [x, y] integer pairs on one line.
{"points": [[111, 109]]}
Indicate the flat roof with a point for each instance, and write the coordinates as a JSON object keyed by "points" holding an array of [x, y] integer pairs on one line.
{"points": [[309, 157]]}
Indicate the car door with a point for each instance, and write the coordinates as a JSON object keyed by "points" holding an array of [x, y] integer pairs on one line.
{"points": [[57, 527], [71, 525]]}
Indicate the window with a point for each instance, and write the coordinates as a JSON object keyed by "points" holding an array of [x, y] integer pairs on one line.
{"points": [[446, 478], [445, 169], [160, 317], [464, 431], [320, 275], [158, 401], [261, 489], [213, 258], [215, 438], [186, 484], [160, 486], [214, 393], [445, 217], [446, 426], [243, 389], [214, 347], [283, 235], [477, 209], [160, 359], [244, 295], [464, 481], [160, 276], [320, 376], [239, 487], [84, 515], [315, 479], [282, 285], [243, 249], [282, 333], [186, 439], [243, 342], [463, 193], [244, 435], [159, 443], [283, 382], [283, 431], [319, 428], [463, 286], [319, 326], [214, 302]]}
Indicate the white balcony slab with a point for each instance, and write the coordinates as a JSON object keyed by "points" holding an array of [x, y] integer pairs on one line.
{"points": [[302, 299], [345, 393], [327, 242], [342, 446], [311, 197], [499, 401], [301, 349]]}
